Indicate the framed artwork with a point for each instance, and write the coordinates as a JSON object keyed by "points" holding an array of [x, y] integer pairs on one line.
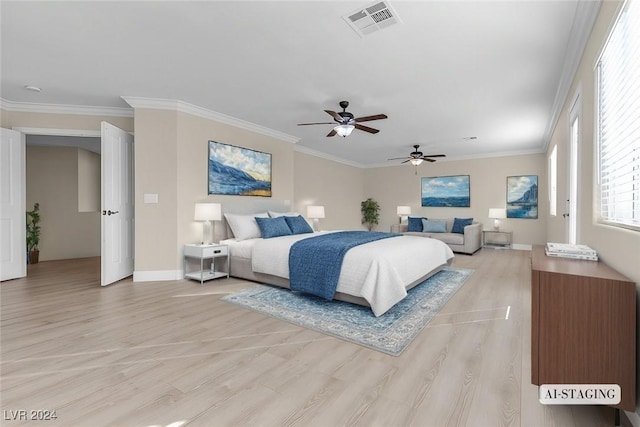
{"points": [[522, 196], [238, 171], [446, 191]]}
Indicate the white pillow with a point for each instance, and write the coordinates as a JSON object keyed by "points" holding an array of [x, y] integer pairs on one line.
{"points": [[273, 214], [245, 226]]}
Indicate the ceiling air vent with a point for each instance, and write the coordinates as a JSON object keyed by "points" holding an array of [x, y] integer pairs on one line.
{"points": [[372, 18]]}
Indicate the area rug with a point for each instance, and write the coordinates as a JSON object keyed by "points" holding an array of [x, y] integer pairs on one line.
{"points": [[390, 333]]}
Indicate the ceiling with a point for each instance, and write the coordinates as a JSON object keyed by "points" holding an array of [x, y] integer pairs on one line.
{"points": [[495, 70]]}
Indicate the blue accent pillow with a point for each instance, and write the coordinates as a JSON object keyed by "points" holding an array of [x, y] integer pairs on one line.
{"points": [[414, 223], [434, 226], [273, 227], [298, 224], [460, 223]]}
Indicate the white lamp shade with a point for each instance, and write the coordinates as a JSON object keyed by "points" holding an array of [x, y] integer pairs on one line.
{"points": [[208, 212], [416, 162], [315, 211], [344, 130], [497, 213], [404, 210]]}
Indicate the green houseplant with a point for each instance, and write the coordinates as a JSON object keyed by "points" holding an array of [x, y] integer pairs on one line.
{"points": [[33, 234], [370, 213]]}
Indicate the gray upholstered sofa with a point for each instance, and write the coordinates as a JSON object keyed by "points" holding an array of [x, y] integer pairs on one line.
{"points": [[467, 243]]}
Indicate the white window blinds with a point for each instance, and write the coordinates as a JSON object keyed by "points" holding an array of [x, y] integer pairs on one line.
{"points": [[618, 105]]}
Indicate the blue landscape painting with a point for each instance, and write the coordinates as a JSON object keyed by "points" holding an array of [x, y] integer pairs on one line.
{"points": [[238, 171], [522, 196], [446, 191]]}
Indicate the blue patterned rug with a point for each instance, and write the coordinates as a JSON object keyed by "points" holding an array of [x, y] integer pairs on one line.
{"points": [[390, 333]]}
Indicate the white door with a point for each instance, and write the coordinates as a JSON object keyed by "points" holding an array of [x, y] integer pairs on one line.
{"points": [[13, 247], [117, 204]]}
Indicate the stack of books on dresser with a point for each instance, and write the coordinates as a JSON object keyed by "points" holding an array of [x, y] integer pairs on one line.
{"points": [[566, 250]]}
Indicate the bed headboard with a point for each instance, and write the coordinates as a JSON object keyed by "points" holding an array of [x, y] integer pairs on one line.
{"points": [[246, 206]]}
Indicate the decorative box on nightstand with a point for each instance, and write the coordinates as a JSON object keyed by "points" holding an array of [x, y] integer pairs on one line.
{"points": [[496, 239], [205, 270]]}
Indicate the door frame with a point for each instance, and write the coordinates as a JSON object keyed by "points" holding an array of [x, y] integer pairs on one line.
{"points": [[60, 132]]}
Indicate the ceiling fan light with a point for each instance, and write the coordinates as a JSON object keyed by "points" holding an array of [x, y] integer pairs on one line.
{"points": [[344, 130], [416, 162]]}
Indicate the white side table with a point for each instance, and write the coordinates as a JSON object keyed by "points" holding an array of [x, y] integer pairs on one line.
{"points": [[496, 239], [202, 253]]}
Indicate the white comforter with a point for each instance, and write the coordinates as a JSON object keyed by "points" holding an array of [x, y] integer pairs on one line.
{"points": [[378, 271]]}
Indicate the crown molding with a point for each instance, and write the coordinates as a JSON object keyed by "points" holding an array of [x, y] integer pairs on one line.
{"points": [[29, 107], [583, 22], [470, 157], [185, 107], [309, 151]]}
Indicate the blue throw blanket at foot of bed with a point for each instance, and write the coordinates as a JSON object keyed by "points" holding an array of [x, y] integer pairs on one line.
{"points": [[315, 263]]}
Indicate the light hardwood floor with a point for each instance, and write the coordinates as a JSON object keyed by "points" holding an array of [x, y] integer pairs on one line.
{"points": [[171, 353]]}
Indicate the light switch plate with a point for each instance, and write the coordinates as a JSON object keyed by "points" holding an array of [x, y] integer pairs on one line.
{"points": [[150, 198]]}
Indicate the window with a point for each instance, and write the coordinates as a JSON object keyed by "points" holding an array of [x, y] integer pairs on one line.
{"points": [[618, 121], [553, 181]]}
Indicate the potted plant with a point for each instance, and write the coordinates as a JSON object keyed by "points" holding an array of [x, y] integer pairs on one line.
{"points": [[33, 234], [370, 213]]}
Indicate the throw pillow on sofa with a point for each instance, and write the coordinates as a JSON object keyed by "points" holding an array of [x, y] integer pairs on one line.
{"points": [[434, 226], [459, 224], [414, 223]]}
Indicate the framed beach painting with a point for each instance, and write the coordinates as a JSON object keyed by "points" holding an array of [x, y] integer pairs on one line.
{"points": [[446, 191], [238, 171], [522, 196]]}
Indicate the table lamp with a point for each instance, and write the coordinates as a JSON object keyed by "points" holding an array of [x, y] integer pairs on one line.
{"points": [[403, 211], [315, 213], [496, 214], [208, 212]]}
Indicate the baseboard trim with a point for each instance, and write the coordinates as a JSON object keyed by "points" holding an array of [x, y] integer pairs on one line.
{"points": [[156, 276]]}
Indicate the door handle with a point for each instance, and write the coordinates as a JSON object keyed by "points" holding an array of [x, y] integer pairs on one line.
{"points": [[565, 215], [109, 212]]}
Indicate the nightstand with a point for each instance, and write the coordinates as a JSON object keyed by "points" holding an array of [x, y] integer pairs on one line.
{"points": [[496, 239], [202, 253]]}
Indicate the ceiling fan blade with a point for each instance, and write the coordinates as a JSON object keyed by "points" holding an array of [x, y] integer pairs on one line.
{"points": [[400, 158], [366, 128], [429, 160], [369, 118], [434, 155], [332, 133], [319, 123], [408, 160], [333, 114]]}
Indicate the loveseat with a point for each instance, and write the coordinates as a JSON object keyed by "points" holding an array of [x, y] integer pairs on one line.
{"points": [[467, 242]]}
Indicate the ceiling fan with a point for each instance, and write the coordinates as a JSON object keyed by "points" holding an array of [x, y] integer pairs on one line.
{"points": [[416, 157], [346, 121]]}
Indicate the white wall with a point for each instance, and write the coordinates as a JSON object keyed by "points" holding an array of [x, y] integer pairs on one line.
{"points": [[400, 185], [171, 160], [336, 186], [89, 177]]}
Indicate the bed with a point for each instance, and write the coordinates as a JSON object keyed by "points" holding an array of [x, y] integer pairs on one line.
{"points": [[376, 274]]}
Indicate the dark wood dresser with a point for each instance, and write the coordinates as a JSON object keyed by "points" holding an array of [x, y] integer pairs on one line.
{"points": [[583, 325]]}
